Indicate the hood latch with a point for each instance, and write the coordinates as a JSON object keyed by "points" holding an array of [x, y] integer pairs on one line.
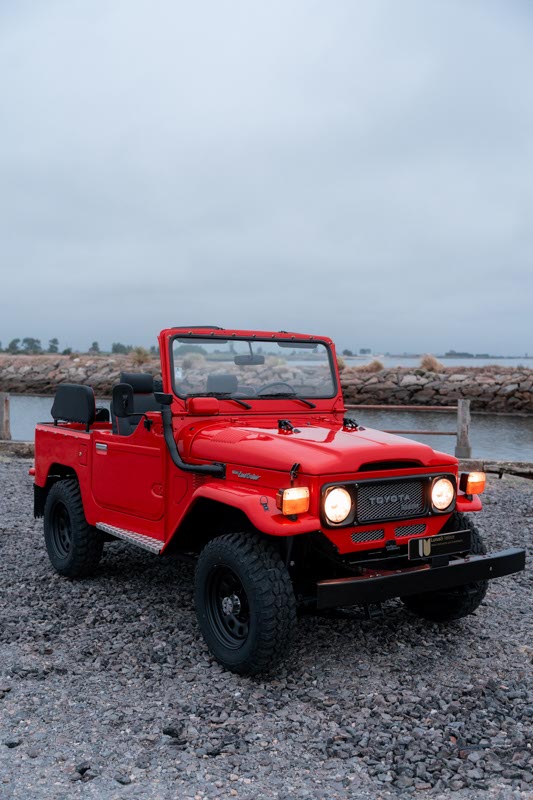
{"points": [[350, 424], [285, 426]]}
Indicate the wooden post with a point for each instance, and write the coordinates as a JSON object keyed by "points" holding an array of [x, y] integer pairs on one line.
{"points": [[5, 430], [463, 448]]}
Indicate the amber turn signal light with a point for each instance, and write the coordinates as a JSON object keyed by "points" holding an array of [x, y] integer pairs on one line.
{"points": [[294, 500], [473, 482]]}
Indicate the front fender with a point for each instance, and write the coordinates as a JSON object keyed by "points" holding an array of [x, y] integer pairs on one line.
{"points": [[260, 508], [468, 503]]}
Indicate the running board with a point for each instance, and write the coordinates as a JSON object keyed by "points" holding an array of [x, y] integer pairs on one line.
{"points": [[146, 542]]}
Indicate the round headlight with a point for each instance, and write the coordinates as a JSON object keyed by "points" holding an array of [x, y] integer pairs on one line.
{"points": [[442, 494], [338, 504]]}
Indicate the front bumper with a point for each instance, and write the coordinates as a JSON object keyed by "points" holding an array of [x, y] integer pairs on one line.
{"points": [[378, 585]]}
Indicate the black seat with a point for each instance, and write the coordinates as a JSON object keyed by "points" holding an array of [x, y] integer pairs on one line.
{"points": [[142, 384], [222, 383], [74, 402], [102, 414]]}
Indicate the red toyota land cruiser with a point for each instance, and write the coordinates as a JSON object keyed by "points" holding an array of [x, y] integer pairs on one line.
{"points": [[247, 461]]}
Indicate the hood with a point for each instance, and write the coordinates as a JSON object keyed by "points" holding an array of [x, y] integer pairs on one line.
{"points": [[320, 449]]}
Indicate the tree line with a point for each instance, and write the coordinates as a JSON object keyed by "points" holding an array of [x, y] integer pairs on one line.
{"points": [[33, 347]]}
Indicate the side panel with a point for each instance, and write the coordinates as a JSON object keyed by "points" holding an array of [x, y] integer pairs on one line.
{"points": [[134, 487], [128, 474], [61, 445]]}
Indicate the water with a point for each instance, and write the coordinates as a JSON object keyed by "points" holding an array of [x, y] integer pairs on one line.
{"points": [[26, 411], [500, 437]]}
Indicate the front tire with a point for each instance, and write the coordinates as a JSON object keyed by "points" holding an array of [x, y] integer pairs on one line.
{"points": [[74, 547], [460, 601], [245, 603]]}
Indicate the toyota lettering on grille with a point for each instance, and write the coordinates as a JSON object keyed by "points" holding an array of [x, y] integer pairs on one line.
{"points": [[383, 499], [387, 499]]}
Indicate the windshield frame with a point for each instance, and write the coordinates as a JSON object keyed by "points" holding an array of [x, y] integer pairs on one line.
{"points": [[252, 338]]}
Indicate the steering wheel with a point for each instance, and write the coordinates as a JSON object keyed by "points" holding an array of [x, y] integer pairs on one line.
{"points": [[276, 383]]}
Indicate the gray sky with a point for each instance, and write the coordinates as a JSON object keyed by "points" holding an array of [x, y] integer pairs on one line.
{"points": [[357, 169]]}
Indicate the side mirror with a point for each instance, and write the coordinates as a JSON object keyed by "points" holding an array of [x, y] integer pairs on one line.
{"points": [[122, 400], [163, 399], [203, 406]]}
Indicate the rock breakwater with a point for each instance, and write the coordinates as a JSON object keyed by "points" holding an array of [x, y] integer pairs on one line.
{"points": [[497, 389], [42, 374], [494, 388]]}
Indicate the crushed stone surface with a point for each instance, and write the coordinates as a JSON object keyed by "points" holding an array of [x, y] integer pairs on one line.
{"points": [[108, 691]]}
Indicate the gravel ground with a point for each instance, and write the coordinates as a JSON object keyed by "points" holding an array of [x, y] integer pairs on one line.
{"points": [[107, 690]]}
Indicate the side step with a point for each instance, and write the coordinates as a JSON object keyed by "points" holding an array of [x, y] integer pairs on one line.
{"points": [[146, 542]]}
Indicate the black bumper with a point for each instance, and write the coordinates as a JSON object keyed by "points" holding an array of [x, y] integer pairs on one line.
{"points": [[379, 585]]}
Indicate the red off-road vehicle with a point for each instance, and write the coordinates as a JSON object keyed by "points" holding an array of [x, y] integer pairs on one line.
{"points": [[247, 461]]}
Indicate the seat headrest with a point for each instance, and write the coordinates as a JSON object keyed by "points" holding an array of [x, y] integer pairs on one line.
{"points": [[225, 383], [140, 382], [74, 403]]}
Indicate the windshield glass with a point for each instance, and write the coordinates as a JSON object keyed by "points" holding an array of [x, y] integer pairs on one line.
{"points": [[253, 368]]}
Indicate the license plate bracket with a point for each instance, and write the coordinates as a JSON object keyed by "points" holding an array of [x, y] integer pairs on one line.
{"points": [[444, 544]]}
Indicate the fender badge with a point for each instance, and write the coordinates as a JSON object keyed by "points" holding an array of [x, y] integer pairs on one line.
{"points": [[250, 476]]}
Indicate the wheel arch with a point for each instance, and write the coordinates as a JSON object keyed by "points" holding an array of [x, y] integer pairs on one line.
{"points": [[56, 472], [205, 520]]}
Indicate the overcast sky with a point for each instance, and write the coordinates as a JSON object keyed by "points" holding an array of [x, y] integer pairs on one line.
{"points": [[357, 169]]}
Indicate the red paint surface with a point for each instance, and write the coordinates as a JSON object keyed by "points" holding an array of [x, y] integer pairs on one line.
{"points": [[134, 484]]}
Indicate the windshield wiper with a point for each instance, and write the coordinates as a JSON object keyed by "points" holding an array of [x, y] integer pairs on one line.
{"points": [[288, 396], [221, 395]]}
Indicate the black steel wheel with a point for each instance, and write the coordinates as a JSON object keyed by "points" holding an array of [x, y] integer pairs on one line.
{"points": [[73, 546], [245, 603], [459, 601], [60, 530], [227, 607]]}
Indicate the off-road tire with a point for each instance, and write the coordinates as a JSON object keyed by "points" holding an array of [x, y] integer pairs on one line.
{"points": [[265, 620], [460, 601], [74, 547]]}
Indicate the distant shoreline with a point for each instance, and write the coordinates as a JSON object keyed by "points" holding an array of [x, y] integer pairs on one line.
{"points": [[456, 357], [469, 358]]}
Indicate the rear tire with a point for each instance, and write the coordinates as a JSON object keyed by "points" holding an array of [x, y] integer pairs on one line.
{"points": [[245, 603], [450, 604], [74, 547]]}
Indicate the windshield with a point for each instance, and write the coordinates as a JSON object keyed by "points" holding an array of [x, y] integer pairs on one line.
{"points": [[251, 368]]}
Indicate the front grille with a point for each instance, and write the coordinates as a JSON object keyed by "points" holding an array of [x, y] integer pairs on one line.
{"points": [[409, 530], [368, 536], [390, 500]]}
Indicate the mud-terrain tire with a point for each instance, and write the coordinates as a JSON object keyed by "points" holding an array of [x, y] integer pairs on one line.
{"points": [[245, 603], [460, 601], [74, 547]]}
